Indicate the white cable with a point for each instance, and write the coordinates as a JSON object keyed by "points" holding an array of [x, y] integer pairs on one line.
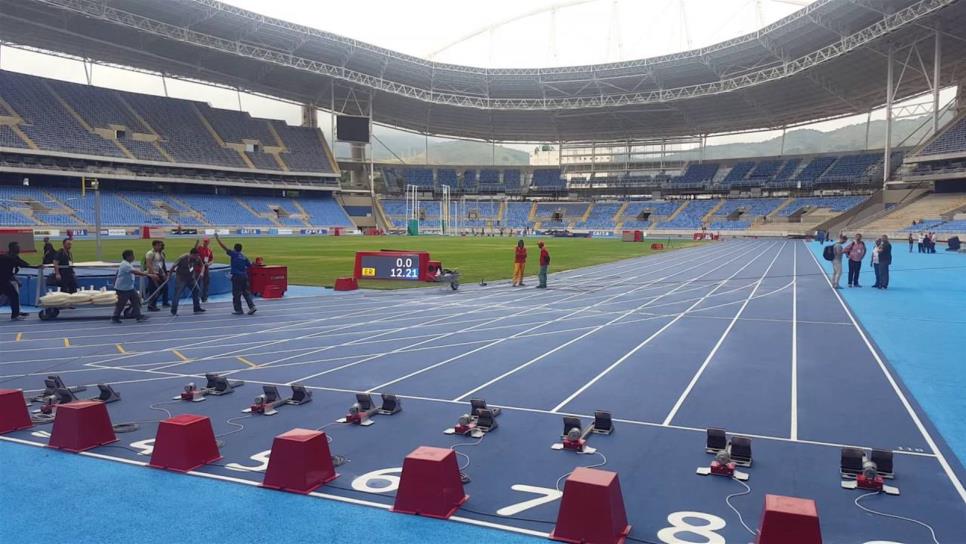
{"points": [[883, 514], [231, 421], [600, 464], [735, 510], [454, 446]]}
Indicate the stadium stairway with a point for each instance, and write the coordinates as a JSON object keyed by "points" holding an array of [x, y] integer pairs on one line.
{"points": [[590, 208], [23, 136], [775, 213], [252, 211], [189, 210], [619, 216], [82, 122], [706, 218], [120, 196], [304, 214], [501, 213], [931, 206], [676, 213], [164, 153], [64, 207], [532, 216]]}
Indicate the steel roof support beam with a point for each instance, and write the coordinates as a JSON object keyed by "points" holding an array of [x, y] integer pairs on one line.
{"points": [[861, 38]]}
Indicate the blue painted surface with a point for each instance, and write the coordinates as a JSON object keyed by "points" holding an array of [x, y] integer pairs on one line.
{"points": [[919, 323], [111, 502], [619, 343]]}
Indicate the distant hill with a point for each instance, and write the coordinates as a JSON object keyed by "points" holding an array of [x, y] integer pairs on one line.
{"points": [[807, 141], [411, 148]]}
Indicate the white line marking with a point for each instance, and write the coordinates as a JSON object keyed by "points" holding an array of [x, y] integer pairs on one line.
{"points": [[895, 387], [652, 336], [524, 332], [721, 340]]}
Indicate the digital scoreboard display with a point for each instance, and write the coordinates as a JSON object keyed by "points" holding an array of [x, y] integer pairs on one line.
{"points": [[390, 267]]}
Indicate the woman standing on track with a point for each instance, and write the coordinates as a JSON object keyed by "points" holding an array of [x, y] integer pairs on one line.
{"points": [[519, 264]]}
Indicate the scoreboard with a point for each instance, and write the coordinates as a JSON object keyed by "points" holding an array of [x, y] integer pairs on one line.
{"points": [[392, 265]]}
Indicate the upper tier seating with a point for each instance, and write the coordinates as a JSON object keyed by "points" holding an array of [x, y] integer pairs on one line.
{"points": [[66, 117], [953, 140]]}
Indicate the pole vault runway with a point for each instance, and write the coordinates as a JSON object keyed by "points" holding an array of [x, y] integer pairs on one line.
{"points": [[743, 335]]}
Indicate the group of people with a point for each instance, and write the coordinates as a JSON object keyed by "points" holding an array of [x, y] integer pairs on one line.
{"points": [[520, 263], [189, 271], [926, 241], [855, 251]]}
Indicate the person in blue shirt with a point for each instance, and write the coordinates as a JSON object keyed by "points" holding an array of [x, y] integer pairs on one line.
{"points": [[239, 277], [127, 292]]}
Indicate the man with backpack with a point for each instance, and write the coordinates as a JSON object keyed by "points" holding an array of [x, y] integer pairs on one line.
{"points": [[833, 253], [856, 252]]}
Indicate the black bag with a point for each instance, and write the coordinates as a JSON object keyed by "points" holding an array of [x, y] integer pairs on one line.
{"points": [[829, 253]]}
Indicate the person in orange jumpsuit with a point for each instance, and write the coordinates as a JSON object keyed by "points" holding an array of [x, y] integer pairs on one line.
{"points": [[519, 264]]}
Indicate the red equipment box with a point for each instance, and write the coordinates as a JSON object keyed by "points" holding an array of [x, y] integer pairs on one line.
{"points": [[268, 279]]}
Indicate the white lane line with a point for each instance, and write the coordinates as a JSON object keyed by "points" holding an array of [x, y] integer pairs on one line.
{"points": [[648, 340], [721, 340], [464, 330], [596, 328], [953, 479], [793, 434], [526, 332]]}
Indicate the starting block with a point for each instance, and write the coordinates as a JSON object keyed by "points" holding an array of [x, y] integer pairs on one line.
{"points": [[478, 422], [51, 386], [63, 395], [722, 465], [868, 478], [789, 520], [300, 462], [362, 412], [81, 425], [738, 448], [574, 438], [591, 509], [267, 403], [430, 484], [13, 411], [184, 443], [216, 385]]}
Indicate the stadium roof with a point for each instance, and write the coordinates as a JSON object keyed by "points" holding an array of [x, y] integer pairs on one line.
{"points": [[826, 60]]}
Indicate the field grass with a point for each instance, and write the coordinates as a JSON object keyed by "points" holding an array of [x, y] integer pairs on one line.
{"points": [[319, 260]]}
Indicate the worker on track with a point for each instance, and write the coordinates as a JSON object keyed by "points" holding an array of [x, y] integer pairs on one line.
{"points": [[239, 277], [126, 291], [9, 285], [519, 264], [544, 265]]}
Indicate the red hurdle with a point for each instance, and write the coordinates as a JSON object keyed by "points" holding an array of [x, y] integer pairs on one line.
{"points": [[789, 520], [13, 411]]}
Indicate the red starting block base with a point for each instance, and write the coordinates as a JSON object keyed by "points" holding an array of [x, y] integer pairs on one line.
{"points": [[184, 443], [13, 411], [300, 462], [592, 509], [430, 484], [346, 284], [81, 425], [789, 520]]}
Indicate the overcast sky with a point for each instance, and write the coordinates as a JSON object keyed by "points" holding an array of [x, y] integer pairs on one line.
{"points": [[504, 33]]}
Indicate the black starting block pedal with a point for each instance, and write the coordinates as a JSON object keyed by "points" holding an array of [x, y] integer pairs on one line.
{"points": [[106, 394], [269, 401], [853, 462], [215, 384], [51, 385], [362, 412], [738, 448], [478, 422], [575, 437], [869, 478]]}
